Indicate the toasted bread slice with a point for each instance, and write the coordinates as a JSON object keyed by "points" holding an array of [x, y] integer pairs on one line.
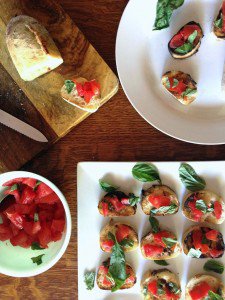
{"points": [[217, 26], [73, 98], [214, 282], [105, 284], [186, 97], [170, 282], [124, 210], [158, 190], [195, 235], [197, 42], [154, 239], [114, 228], [209, 198]]}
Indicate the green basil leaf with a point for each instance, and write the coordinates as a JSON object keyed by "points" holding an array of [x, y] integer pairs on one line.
{"points": [[167, 82], [194, 253], [214, 296], [89, 279], [214, 266], [36, 246], [184, 49], [161, 262], [107, 187], [174, 288], [160, 286], [127, 243], [219, 23], [145, 172], [190, 179], [205, 241], [192, 37], [155, 224], [69, 84], [169, 242], [14, 187], [175, 83], [145, 290], [189, 92], [36, 217], [38, 259], [133, 200], [201, 205], [171, 209]]}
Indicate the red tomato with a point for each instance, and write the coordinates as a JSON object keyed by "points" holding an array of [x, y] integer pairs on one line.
{"points": [[179, 89], [4, 218], [158, 237], [16, 219], [122, 232], [80, 89], [196, 213], [15, 230], [188, 30], [56, 236], [197, 239], [130, 280], [216, 253], [44, 235], [223, 13], [45, 215], [5, 232], [95, 86], [218, 210], [31, 182], [58, 225], [205, 249], [212, 235], [106, 282], [153, 287], [159, 200], [104, 270], [176, 41], [59, 212], [50, 199], [43, 190], [152, 250], [14, 193], [107, 245], [200, 291], [21, 239], [125, 201], [105, 209], [25, 209], [13, 181], [116, 203], [27, 195], [32, 228], [170, 295]]}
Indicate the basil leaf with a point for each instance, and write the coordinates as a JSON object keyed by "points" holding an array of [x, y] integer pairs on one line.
{"points": [[201, 205], [184, 49], [89, 279], [167, 82], [164, 12], [37, 260], [214, 266], [160, 286], [36, 246], [133, 200], [194, 253], [169, 242], [171, 209], [145, 291], [14, 187], [69, 84], [36, 217], [219, 23], [161, 262], [107, 187], [174, 288], [155, 224], [189, 92], [205, 241], [175, 83], [190, 179], [192, 37], [127, 243], [145, 172], [214, 296]]}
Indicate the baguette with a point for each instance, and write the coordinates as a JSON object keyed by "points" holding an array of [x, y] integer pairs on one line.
{"points": [[219, 26]]}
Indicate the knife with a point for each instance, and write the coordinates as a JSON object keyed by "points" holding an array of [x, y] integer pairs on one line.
{"points": [[22, 127]]}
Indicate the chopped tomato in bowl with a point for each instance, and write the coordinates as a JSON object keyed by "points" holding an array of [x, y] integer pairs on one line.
{"points": [[35, 224]]}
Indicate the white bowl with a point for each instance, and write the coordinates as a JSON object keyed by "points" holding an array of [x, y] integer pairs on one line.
{"points": [[16, 261]]}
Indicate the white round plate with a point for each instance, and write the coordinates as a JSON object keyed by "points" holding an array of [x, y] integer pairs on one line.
{"points": [[142, 58]]}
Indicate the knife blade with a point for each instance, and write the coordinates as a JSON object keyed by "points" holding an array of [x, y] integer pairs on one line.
{"points": [[22, 127]]}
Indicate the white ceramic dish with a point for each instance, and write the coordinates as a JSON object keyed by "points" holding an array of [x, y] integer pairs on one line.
{"points": [[16, 261], [142, 58], [90, 221]]}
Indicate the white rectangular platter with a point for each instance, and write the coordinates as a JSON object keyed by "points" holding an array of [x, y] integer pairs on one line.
{"points": [[90, 222]]}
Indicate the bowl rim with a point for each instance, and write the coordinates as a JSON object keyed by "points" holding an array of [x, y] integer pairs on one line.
{"points": [[52, 262]]}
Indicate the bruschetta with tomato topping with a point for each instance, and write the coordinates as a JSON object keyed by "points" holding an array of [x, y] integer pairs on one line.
{"points": [[204, 206], [219, 24], [181, 86], [159, 246], [161, 284], [187, 41], [203, 242], [159, 200], [125, 235], [105, 282], [82, 93], [116, 204], [202, 287]]}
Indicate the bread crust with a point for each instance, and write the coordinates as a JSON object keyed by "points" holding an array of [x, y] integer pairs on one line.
{"points": [[208, 197]]}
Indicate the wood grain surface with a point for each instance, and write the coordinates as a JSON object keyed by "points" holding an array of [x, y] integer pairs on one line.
{"points": [[115, 133]]}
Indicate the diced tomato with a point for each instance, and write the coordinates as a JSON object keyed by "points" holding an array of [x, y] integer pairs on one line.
{"points": [[45, 215], [21, 239], [188, 30], [27, 195], [104, 270], [95, 86], [212, 235], [43, 190], [216, 253], [58, 225], [153, 287], [116, 203], [196, 213], [159, 200], [44, 235], [50, 199], [32, 228], [5, 232], [106, 282], [105, 209], [16, 219], [15, 230], [158, 237], [31, 182], [218, 210], [59, 212], [125, 201], [197, 239], [88, 90], [223, 13], [170, 295], [205, 248], [56, 236], [122, 232], [200, 291], [14, 193], [107, 245], [80, 89], [130, 280], [152, 250], [25, 209], [176, 41], [179, 89], [13, 181], [4, 218]]}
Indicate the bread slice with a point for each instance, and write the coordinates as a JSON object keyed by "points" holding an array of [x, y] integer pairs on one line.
{"points": [[209, 198], [168, 252], [187, 242], [130, 282], [163, 274], [113, 227], [213, 281], [158, 190], [219, 33], [191, 86], [31, 48]]}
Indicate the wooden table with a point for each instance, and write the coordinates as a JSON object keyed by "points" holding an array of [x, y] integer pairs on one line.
{"points": [[115, 133]]}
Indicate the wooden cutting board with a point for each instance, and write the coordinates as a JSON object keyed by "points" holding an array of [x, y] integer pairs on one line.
{"points": [[39, 102]]}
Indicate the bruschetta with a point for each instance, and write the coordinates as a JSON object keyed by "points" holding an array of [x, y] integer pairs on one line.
{"points": [[204, 206], [181, 86], [104, 281], [187, 41], [125, 235], [82, 93], [159, 246], [159, 200], [203, 242], [200, 287], [161, 284], [116, 204], [219, 24]]}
